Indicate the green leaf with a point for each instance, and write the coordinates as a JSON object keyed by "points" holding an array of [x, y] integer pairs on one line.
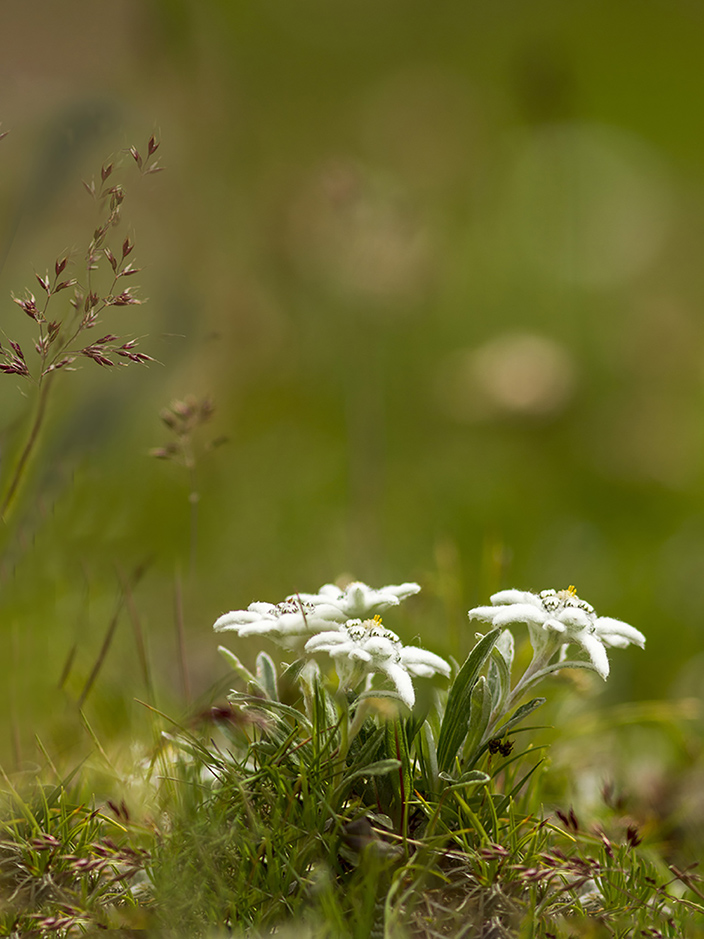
{"points": [[557, 666], [291, 673], [481, 706], [523, 711], [380, 768], [272, 707], [368, 749], [308, 678], [505, 645], [474, 777], [414, 724], [235, 664], [266, 675], [504, 802], [397, 746], [455, 721], [324, 710], [427, 751], [377, 693], [500, 670]]}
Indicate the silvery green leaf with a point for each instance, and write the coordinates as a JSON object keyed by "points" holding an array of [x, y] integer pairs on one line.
{"points": [[567, 663], [454, 724], [376, 693], [479, 713], [292, 672], [429, 751], [266, 675], [268, 706], [500, 670], [523, 711], [474, 777], [235, 664], [309, 675], [505, 645]]}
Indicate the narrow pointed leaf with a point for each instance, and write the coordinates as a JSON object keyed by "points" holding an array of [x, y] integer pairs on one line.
{"points": [[474, 777], [481, 706], [504, 802], [266, 675], [397, 746], [500, 674], [455, 722], [236, 665], [271, 707], [523, 711]]}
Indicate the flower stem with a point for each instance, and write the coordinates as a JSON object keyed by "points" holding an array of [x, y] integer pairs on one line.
{"points": [[540, 660], [29, 446]]}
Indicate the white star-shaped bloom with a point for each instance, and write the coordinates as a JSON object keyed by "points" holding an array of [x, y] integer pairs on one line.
{"points": [[301, 615], [363, 648], [284, 622], [559, 617], [357, 600]]}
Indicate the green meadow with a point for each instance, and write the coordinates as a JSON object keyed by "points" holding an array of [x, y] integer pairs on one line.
{"points": [[317, 293]]}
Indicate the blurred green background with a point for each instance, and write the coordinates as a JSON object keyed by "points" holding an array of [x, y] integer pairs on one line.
{"points": [[439, 268]]}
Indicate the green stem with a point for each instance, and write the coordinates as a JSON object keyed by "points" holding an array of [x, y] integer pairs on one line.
{"points": [[360, 717], [29, 446], [533, 673]]}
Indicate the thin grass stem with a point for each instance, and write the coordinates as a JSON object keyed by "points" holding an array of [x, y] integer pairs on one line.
{"points": [[102, 655], [32, 439], [181, 639]]}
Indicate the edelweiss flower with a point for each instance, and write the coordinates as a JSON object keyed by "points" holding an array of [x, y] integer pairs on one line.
{"points": [[281, 621], [302, 614], [557, 618], [363, 648], [357, 601]]}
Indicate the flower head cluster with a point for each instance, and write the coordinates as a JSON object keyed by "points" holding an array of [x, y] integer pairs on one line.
{"points": [[346, 624], [302, 615], [557, 618], [362, 648]]}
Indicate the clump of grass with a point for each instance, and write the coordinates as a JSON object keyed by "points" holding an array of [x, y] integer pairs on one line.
{"points": [[349, 812], [281, 810], [66, 867]]}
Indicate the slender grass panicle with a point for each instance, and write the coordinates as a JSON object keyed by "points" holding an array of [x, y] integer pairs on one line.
{"points": [[62, 328]]}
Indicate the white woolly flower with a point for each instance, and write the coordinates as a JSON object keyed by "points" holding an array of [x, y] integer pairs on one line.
{"points": [[364, 648], [284, 622], [357, 600], [557, 618], [300, 615]]}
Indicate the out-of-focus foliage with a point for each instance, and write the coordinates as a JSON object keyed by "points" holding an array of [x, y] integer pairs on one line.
{"points": [[438, 267]]}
